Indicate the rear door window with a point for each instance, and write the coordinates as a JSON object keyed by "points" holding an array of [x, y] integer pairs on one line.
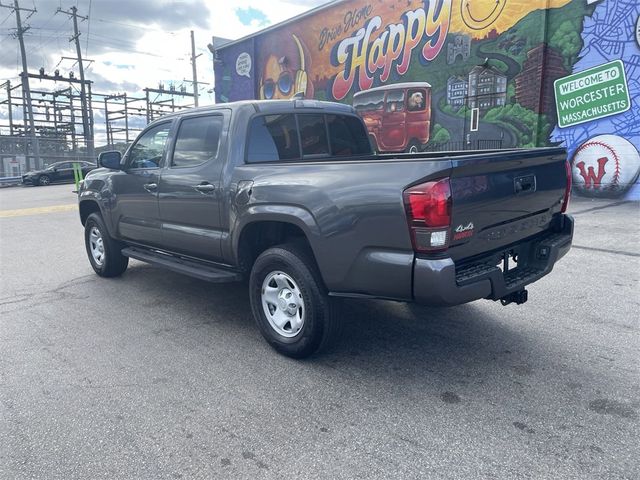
{"points": [[197, 141], [273, 138], [313, 135], [347, 136]]}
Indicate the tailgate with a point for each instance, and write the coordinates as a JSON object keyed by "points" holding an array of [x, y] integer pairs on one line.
{"points": [[504, 197]]}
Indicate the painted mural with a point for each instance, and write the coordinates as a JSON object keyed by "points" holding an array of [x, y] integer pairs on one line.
{"points": [[465, 74]]}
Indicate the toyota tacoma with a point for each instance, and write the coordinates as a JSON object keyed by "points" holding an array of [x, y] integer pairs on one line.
{"points": [[289, 196]]}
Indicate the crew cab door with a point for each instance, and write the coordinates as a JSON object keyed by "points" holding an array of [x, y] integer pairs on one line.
{"points": [[190, 189], [136, 193]]}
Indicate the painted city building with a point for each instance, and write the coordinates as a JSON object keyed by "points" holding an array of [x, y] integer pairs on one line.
{"points": [[486, 73]]}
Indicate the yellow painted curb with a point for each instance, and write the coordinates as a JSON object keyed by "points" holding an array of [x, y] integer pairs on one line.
{"points": [[22, 212]]}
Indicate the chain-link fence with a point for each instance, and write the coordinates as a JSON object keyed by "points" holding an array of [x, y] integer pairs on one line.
{"points": [[18, 154]]}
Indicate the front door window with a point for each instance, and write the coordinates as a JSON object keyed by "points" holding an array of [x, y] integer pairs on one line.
{"points": [[148, 150]]}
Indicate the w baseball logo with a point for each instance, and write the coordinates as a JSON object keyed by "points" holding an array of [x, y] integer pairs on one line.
{"points": [[591, 180], [605, 165]]}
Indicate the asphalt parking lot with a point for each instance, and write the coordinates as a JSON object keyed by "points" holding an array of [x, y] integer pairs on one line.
{"points": [[156, 375]]}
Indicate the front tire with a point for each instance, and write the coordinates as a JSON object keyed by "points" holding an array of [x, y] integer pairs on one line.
{"points": [[290, 303], [103, 251], [44, 180]]}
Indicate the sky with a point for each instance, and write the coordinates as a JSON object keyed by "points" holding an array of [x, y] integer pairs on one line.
{"points": [[133, 43]]}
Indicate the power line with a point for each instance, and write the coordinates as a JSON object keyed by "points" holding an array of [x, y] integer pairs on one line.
{"points": [[137, 27], [6, 18]]}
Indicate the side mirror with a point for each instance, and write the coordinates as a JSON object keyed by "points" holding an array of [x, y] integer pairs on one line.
{"points": [[110, 160]]}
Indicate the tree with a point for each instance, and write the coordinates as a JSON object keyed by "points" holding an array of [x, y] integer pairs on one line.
{"points": [[567, 41]]}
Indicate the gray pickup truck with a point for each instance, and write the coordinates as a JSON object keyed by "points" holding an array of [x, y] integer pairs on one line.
{"points": [[289, 195]]}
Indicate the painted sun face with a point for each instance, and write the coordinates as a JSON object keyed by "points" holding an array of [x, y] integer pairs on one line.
{"points": [[480, 14], [277, 81], [479, 17]]}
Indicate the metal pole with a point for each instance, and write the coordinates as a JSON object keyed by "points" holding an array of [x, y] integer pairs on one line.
{"points": [[25, 84], [106, 120], [195, 70], [86, 124], [126, 118], [149, 112], [8, 83]]}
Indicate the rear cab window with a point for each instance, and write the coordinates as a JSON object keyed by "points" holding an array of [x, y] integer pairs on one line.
{"points": [[305, 136], [273, 138], [313, 135]]}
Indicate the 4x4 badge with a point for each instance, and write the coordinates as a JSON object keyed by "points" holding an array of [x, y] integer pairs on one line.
{"points": [[462, 228], [463, 231]]}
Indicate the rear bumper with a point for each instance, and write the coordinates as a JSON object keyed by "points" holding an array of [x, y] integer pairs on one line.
{"points": [[440, 282]]}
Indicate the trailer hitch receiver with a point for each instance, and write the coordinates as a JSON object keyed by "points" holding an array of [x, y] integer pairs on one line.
{"points": [[518, 297]]}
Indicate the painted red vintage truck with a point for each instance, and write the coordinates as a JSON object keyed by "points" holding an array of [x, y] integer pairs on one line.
{"points": [[398, 116]]}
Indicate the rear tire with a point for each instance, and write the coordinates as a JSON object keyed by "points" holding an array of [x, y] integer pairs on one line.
{"points": [[103, 251], [413, 147], [290, 303], [44, 180]]}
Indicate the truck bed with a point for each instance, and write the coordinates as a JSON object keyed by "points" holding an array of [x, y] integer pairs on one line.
{"points": [[355, 208]]}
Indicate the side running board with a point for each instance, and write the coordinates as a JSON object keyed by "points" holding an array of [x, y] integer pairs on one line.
{"points": [[193, 268]]}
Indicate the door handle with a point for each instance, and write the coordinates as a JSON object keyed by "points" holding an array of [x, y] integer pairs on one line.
{"points": [[150, 187], [205, 187], [525, 184]]}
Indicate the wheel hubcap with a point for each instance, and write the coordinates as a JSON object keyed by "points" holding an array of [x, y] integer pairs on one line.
{"points": [[283, 304], [96, 245]]}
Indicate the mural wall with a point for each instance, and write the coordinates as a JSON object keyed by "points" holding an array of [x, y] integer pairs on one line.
{"points": [[465, 74]]}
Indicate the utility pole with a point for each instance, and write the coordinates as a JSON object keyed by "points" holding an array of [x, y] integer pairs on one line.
{"points": [[9, 106], [195, 71], [86, 114], [25, 78]]}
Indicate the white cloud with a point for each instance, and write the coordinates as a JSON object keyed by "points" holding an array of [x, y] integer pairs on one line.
{"points": [[129, 53]]}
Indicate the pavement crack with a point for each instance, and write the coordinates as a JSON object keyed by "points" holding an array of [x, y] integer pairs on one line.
{"points": [[20, 299], [601, 207], [606, 250]]}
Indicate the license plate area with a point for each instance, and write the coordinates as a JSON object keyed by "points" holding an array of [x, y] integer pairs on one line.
{"points": [[508, 261]]}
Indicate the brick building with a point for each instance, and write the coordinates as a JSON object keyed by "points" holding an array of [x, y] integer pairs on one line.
{"points": [[542, 67]]}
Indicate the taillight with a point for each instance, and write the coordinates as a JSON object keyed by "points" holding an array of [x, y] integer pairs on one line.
{"points": [[567, 192], [428, 208]]}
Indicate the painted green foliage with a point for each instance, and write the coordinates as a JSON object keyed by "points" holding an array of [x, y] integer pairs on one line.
{"points": [[440, 134], [567, 41], [525, 123]]}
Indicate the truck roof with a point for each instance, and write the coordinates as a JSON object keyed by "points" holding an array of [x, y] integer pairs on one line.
{"points": [[267, 106]]}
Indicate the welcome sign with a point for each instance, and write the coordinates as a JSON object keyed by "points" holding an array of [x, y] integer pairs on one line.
{"points": [[592, 94]]}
